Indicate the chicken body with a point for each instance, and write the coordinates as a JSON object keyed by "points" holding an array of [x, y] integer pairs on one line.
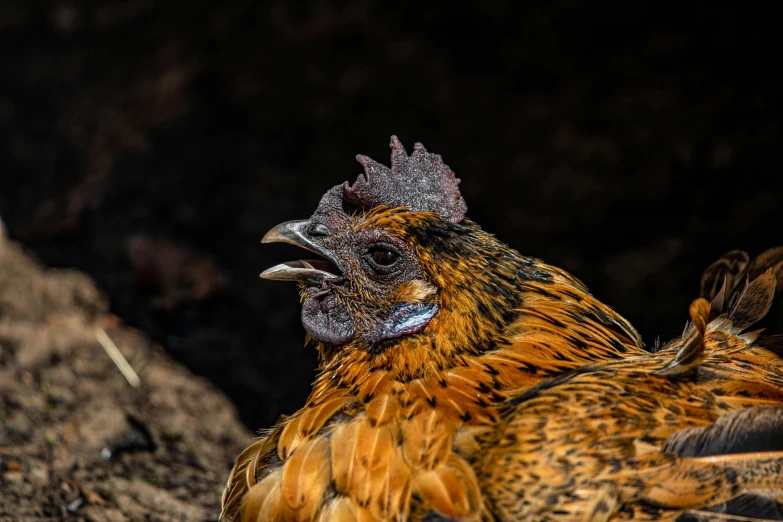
{"points": [[460, 380], [649, 438], [378, 431]]}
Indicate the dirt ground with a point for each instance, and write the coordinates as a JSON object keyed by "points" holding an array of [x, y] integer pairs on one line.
{"points": [[77, 441]]}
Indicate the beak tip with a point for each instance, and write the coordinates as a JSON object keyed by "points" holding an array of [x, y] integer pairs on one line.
{"points": [[288, 232], [272, 236], [266, 274]]}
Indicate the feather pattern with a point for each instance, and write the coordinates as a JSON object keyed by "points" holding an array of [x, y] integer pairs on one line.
{"points": [[523, 397], [264, 501], [394, 449], [305, 477], [700, 449]]}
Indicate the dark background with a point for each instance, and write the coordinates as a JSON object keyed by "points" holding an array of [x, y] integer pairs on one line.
{"points": [[152, 144]]}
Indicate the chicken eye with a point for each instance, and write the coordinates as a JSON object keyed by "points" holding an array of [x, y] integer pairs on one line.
{"points": [[383, 258]]}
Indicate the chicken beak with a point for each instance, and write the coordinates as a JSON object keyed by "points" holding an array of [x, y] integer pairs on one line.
{"points": [[311, 270]]}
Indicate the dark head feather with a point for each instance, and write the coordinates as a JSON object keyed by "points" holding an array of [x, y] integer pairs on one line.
{"points": [[420, 181]]}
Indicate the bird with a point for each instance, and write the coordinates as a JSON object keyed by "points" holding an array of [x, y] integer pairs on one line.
{"points": [[461, 380]]}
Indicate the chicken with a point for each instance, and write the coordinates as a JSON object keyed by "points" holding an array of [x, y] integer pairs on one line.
{"points": [[454, 375]]}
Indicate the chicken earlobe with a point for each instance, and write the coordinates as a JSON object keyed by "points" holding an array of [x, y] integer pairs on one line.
{"points": [[405, 319]]}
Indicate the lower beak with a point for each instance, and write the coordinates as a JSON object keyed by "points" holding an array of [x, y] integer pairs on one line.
{"points": [[312, 270]]}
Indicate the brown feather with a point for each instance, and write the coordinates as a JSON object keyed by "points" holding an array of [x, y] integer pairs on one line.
{"points": [[244, 473], [264, 501], [343, 445], [689, 356], [375, 449], [706, 516], [451, 490], [289, 438], [427, 440], [381, 410], [753, 302], [771, 259], [316, 416], [339, 509], [725, 273], [392, 499], [377, 384], [306, 474]]}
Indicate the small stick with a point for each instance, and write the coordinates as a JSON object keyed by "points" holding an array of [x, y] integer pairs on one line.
{"points": [[116, 356]]}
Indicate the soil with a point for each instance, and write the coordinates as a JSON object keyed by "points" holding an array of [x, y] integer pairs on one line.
{"points": [[77, 441]]}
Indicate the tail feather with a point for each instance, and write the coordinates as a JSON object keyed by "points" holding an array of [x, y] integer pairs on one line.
{"points": [[753, 302], [708, 516], [689, 355], [731, 310], [722, 282], [773, 343], [762, 470], [718, 302], [771, 259], [733, 268], [748, 306], [751, 430], [751, 505], [724, 275], [748, 445]]}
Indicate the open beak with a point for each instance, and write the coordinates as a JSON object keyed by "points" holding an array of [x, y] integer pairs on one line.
{"points": [[310, 270]]}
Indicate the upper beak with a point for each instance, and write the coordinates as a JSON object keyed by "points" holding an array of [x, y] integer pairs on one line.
{"points": [[314, 270]]}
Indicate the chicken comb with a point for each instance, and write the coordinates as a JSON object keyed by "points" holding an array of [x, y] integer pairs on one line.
{"points": [[420, 181]]}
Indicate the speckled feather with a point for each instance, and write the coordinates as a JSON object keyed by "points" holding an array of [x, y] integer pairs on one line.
{"points": [[523, 397], [460, 443], [391, 417], [651, 443]]}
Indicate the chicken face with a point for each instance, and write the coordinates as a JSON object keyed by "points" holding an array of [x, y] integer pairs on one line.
{"points": [[369, 285]]}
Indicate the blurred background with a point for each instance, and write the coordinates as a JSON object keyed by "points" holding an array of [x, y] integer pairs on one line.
{"points": [[152, 144]]}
